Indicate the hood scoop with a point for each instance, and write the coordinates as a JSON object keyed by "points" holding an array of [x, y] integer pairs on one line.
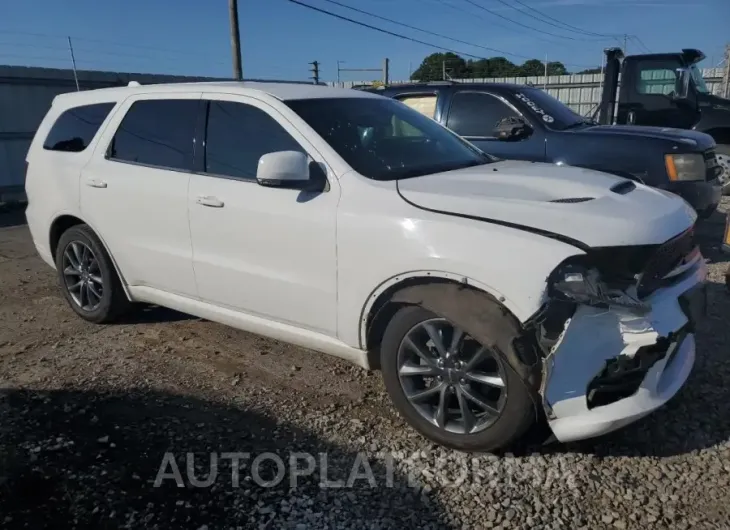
{"points": [[622, 188]]}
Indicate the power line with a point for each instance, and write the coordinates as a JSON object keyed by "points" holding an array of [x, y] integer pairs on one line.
{"points": [[423, 30], [494, 13], [92, 51], [640, 43], [404, 37], [575, 28], [107, 42], [381, 30]]}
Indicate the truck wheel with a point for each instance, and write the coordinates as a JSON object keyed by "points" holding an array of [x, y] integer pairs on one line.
{"points": [[88, 279], [449, 387], [723, 157]]}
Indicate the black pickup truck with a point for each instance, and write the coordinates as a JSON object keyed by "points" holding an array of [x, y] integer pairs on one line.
{"points": [[526, 123], [666, 90]]}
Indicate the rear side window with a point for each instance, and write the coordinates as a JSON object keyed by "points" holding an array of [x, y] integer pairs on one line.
{"points": [[75, 128], [157, 132], [237, 135]]}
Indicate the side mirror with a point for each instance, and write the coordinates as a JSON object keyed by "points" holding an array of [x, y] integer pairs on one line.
{"points": [[681, 84], [510, 129], [283, 169]]}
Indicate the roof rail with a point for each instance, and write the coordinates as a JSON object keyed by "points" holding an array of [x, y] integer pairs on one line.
{"points": [[321, 83]]}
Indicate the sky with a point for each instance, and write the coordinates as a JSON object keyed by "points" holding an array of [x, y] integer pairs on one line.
{"points": [[280, 38]]}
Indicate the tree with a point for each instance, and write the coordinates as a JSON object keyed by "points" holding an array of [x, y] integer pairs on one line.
{"points": [[493, 67], [590, 71], [532, 67], [432, 68]]}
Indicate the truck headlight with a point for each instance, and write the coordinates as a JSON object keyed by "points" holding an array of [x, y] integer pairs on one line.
{"points": [[685, 167], [584, 286]]}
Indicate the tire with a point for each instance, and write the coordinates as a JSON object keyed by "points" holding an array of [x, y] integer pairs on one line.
{"points": [[113, 301], [517, 411]]}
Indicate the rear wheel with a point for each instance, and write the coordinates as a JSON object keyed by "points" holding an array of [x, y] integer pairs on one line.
{"points": [[87, 276], [451, 388]]}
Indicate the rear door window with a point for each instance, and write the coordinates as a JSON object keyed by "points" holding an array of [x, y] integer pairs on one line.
{"points": [[157, 132], [75, 128], [477, 113]]}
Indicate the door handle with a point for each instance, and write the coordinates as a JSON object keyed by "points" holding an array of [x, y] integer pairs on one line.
{"points": [[96, 183], [212, 202], [631, 117]]}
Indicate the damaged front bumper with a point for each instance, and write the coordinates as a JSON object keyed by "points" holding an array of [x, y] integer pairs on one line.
{"points": [[611, 367]]}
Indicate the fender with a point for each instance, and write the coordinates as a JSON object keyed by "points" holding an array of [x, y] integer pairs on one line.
{"points": [[125, 287], [426, 274]]}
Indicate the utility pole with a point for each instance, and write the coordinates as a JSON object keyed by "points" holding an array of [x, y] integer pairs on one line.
{"points": [[726, 74], [73, 63], [315, 72], [626, 44], [443, 70], [235, 39], [338, 71], [544, 86], [386, 71]]}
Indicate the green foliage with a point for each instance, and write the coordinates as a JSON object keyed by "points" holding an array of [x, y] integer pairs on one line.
{"points": [[435, 65]]}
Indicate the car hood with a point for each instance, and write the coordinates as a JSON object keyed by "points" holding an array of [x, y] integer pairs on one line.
{"points": [[691, 138], [523, 195]]}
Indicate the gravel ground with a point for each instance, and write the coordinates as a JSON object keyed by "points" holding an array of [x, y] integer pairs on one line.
{"points": [[88, 414]]}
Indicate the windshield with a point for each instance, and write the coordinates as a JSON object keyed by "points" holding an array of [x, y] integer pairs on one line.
{"points": [[383, 139], [699, 81], [543, 106]]}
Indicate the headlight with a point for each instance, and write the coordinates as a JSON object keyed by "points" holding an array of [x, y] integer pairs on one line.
{"points": [[685, 167], [584, 286]]}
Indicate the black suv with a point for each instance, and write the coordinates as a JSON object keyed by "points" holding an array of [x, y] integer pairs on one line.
{"points": [[526, 123]]}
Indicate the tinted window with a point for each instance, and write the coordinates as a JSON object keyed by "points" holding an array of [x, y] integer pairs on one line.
{"points": [[238, 135], [383, 139], [75, 128], [656, 77], [157, 132], [475, 114]]}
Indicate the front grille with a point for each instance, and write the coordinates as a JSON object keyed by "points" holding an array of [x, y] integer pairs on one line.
{"points": [[664, 260], [712, 166]]}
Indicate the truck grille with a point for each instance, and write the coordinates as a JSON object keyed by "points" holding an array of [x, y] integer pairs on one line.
{"points": [[664, 260], [712, 166]]}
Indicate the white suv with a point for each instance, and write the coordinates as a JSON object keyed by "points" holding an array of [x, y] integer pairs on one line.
{"points": [[490, 293]]}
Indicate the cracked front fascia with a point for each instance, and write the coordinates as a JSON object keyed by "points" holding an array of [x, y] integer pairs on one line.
{"points": [[594, 335]]}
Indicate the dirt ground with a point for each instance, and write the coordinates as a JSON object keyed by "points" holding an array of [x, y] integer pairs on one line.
{"points": [[87, 412]]}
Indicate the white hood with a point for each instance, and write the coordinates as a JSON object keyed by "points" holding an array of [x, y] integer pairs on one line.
{"points": [[520, 193]]}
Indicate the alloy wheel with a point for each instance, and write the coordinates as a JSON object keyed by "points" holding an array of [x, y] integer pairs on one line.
{"points": [[453, 381], [82, 275]]}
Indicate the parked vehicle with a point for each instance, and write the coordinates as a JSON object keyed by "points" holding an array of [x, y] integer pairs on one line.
{"points": [[345, 222], [526, 123], [666, 90]]}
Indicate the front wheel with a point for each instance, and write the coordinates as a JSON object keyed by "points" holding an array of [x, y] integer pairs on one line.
{"points": [[452, 389]]}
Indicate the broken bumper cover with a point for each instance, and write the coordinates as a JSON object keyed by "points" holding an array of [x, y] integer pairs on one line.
{"points": [[595, 338]]}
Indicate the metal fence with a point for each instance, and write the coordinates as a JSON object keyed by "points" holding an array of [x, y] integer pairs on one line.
{"points": [[581, 92]]}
